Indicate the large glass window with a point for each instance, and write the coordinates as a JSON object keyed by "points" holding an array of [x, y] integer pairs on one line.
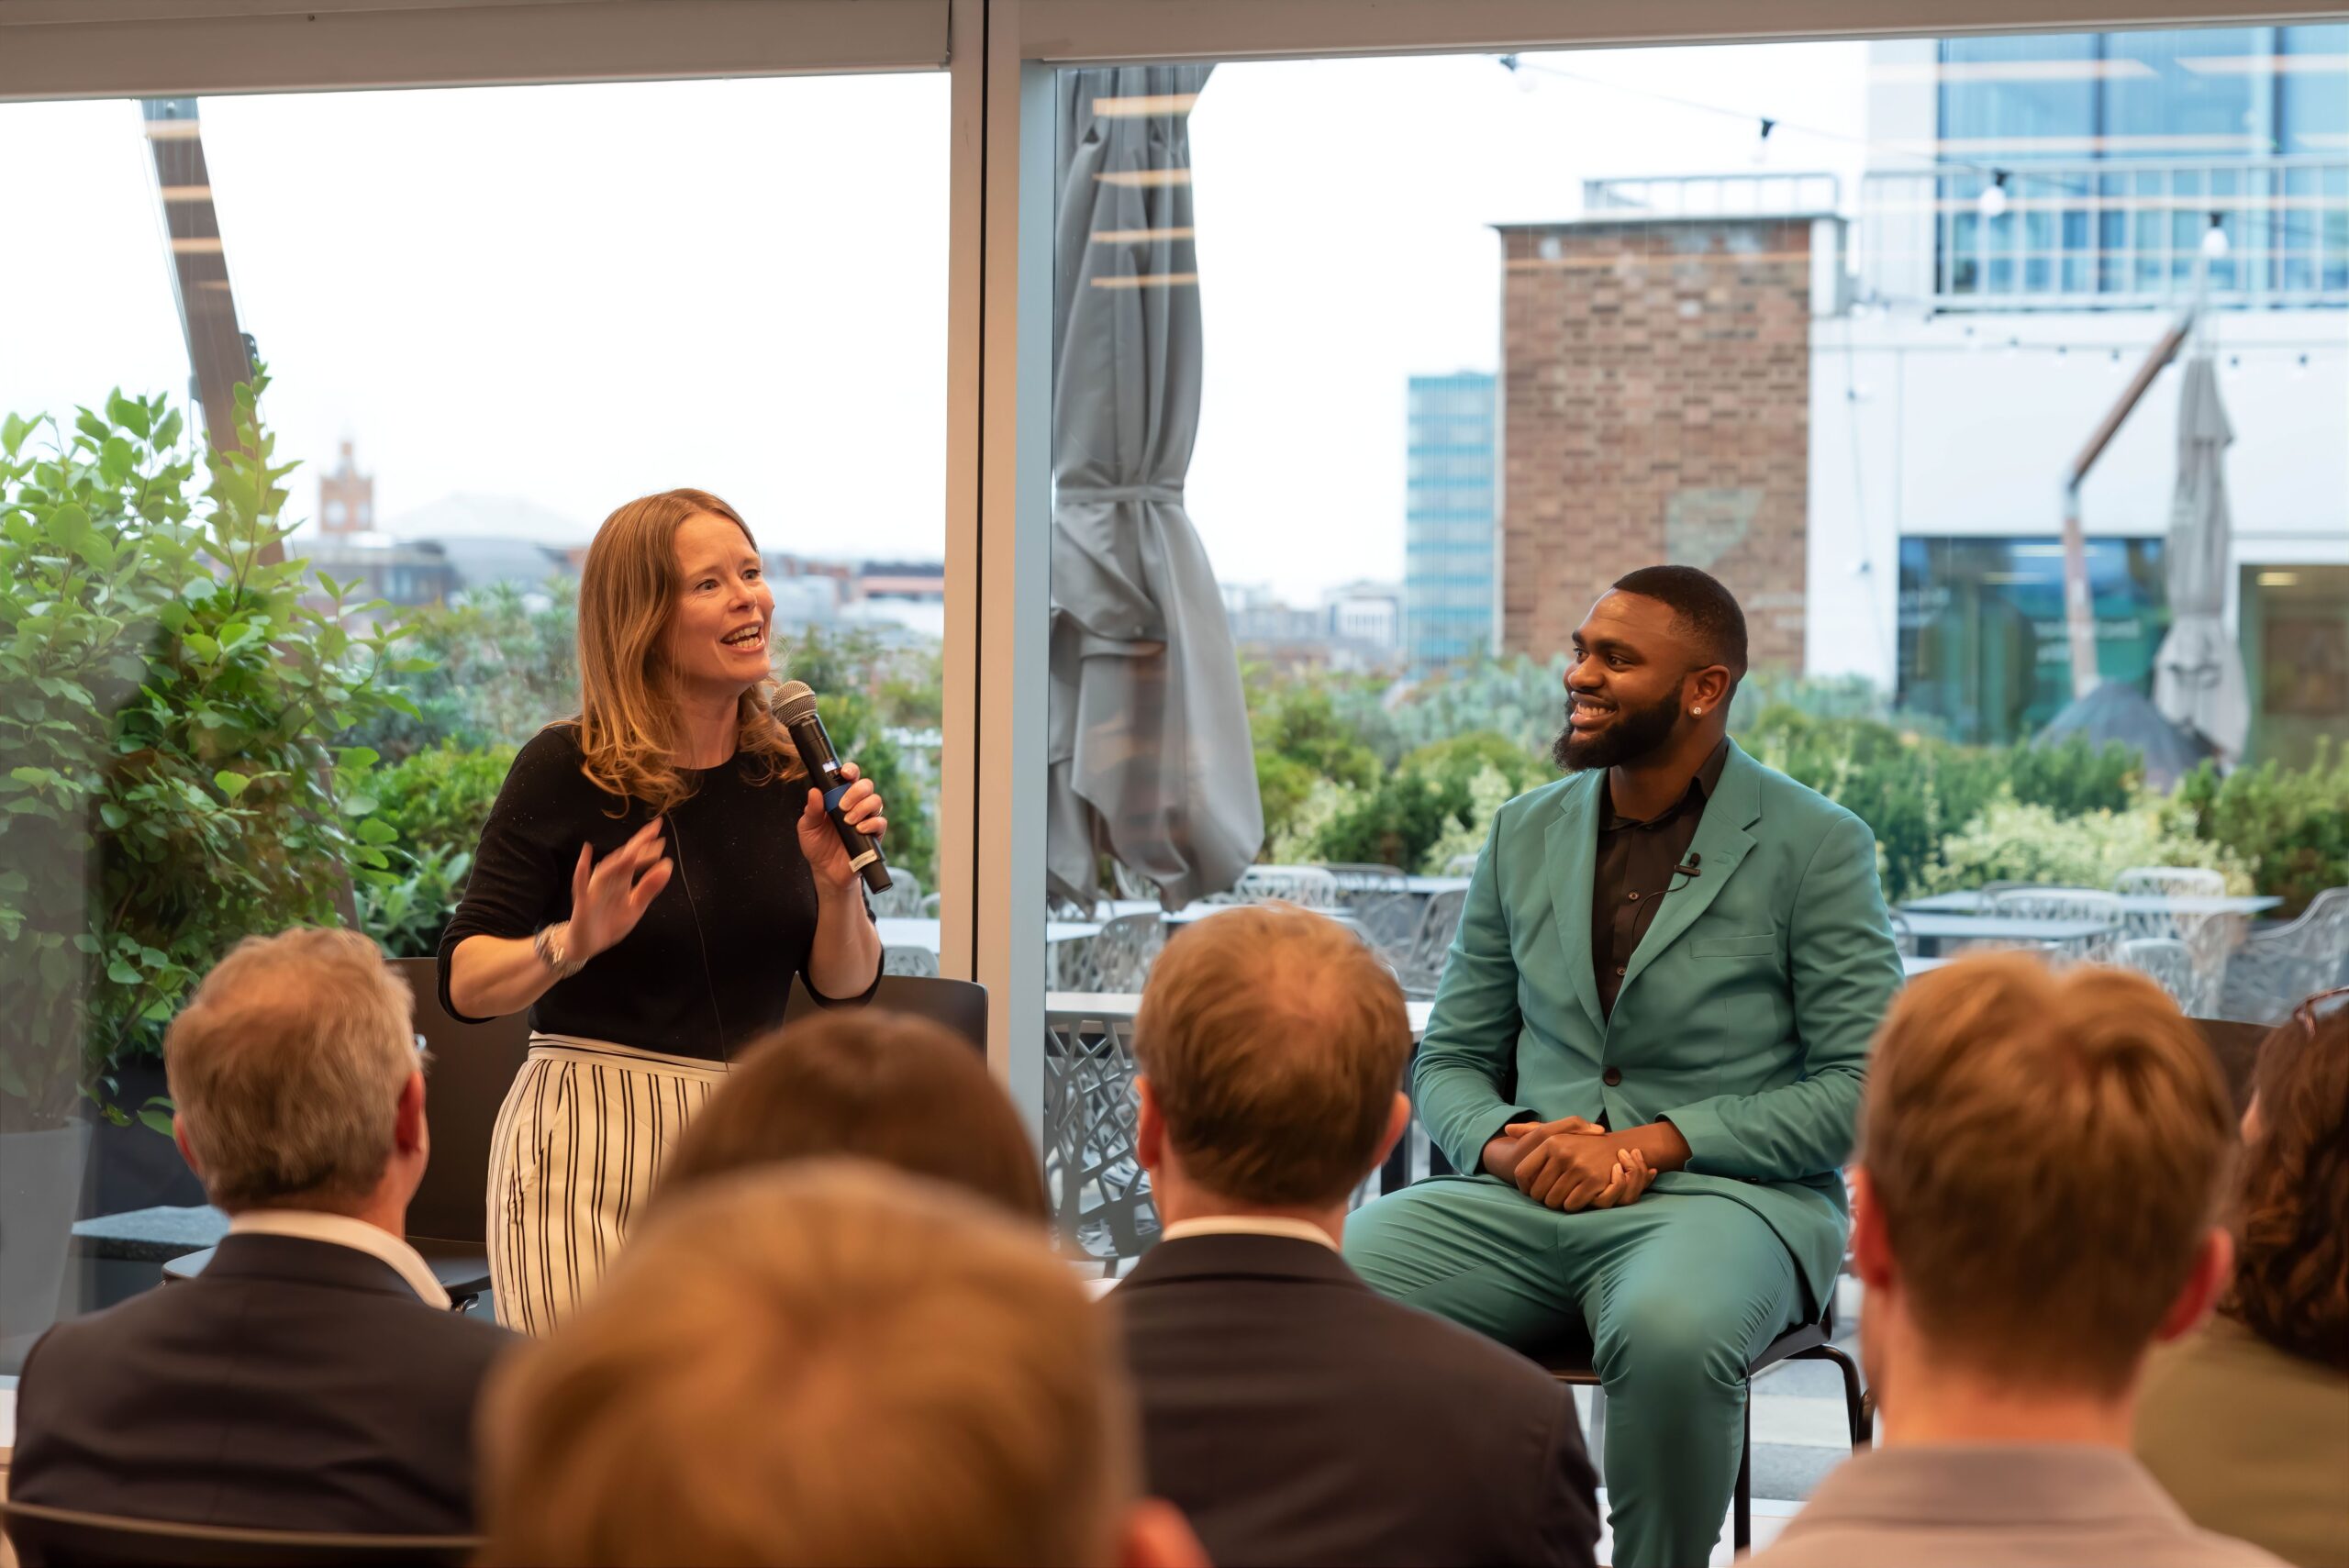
{"points": [[480, 320], [1833, 322], [1983, 645], [2100, 165]]}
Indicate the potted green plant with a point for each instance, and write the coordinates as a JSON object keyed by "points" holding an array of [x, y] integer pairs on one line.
{"points": [[170, 692]]}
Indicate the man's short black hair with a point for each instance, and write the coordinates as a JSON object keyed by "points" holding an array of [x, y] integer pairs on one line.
{"points": [[1707, 612]]}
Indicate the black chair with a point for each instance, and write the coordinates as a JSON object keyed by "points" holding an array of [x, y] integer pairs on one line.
{"points": [[473, 1066], [63, 1538], [959, 1005], [1568, 1359]]}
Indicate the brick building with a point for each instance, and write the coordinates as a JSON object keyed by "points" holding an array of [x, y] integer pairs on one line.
{"points": [[1656, 406]]}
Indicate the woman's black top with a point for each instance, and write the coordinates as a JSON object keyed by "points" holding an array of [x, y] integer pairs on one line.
{"points": [[709, 965]]}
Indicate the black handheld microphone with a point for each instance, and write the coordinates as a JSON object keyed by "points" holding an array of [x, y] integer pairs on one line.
{"points": [[796, 709]]}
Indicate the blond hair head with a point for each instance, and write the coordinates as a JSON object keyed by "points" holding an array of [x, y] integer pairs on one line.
{"points": [[824, 1362], [286, 1068], [1274, 1040], [2047, 1153], [628, 717]]}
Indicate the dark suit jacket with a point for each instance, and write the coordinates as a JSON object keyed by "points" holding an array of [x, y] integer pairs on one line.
{"points": [[1298, 1417], [293, 1384]]}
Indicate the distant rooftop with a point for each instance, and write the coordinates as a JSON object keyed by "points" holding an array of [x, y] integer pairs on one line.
{"points": [[1686, 198], [466, 515]]}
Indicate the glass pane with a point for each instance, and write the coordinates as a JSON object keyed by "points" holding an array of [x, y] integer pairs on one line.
{"points": [[1856, 409], [479, 322], [2019, 99], [2178, 92], [2312, 89]]}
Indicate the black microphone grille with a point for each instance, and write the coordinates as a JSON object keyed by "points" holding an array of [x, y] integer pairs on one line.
{"points": [[794, 702]]}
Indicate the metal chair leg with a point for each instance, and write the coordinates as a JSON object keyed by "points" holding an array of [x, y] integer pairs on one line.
{"points": [[1858, 1414], [1741, 1532]]}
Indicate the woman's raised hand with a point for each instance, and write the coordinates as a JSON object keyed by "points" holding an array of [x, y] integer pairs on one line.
{"points": [[607, 899], [862, 807]]}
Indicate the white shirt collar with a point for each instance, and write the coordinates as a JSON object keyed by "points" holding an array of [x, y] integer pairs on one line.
{"points": [[341, 1230], [1249, 1225]]}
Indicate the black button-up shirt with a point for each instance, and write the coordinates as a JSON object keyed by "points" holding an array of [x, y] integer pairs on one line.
{"points": [[1635, 861]]}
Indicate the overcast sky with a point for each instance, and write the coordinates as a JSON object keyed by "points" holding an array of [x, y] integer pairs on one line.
{"points": [[577, 295]]}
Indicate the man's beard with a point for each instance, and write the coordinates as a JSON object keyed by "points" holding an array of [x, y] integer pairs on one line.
{"points": [[1635, 732]]}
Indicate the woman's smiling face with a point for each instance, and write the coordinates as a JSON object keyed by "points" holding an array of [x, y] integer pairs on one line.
{"points": [[717, 633]]}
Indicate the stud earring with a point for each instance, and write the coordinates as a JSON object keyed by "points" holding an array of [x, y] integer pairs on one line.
{"points": [[1696, 710]]}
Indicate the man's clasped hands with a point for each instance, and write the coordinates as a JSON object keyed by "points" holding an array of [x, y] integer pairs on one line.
{"points": [[1574, 1164]]}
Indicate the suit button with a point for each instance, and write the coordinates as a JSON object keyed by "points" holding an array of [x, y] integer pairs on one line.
{"points": [[1612, 1077]]}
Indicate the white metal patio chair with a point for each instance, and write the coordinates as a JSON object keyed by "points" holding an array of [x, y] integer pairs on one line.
{"points": [[2066, 904], [1123, 951], [1360, 882], [2209, 938], [1311, 887], [902, 896], [1422, 967], [2168, 963], [2272, 971]]}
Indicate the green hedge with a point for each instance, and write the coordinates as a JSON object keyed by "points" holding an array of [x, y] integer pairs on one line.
{"points": [[2291, 826]]}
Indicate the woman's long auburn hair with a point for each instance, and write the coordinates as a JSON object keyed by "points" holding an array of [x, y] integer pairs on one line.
{"points": [[628, 710], [2291, 1282]]}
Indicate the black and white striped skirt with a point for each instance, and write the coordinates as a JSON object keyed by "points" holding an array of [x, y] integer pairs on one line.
{"points": [[579, 1143]]}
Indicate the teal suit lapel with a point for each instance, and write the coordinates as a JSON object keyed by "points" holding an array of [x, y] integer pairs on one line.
{"points": [[1571, 854], [1721, 841]]}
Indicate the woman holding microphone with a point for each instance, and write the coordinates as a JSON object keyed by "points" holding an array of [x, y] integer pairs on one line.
{"points": [[654, 872]]}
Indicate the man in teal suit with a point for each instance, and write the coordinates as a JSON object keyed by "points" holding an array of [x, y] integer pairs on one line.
{"points": [[1647, 1052]]}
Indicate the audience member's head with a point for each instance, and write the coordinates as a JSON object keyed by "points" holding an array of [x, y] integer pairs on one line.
{"points": [[1272, 1042], [296, 1079], [2291, 1278], [871, 1084], [2045, 1156], [825, 1362]]}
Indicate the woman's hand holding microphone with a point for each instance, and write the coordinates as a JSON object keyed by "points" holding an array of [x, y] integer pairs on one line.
{"points": [[861, 807]]}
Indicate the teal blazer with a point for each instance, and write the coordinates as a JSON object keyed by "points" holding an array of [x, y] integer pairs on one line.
{"points": [[1744, 1019]]}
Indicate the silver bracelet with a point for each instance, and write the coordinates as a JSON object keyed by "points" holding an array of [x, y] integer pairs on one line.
{"points": [[552, 944]]}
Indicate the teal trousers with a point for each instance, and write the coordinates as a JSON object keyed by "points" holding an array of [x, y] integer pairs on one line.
{"points": [[1679, 1292]]}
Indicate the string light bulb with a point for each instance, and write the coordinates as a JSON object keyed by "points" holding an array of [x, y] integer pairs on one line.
{"points": [[1993, 201], [2214, 239]]}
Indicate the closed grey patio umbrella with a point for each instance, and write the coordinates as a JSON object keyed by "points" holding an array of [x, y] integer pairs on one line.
{"points": [[2197, 675], [1150, 759]]}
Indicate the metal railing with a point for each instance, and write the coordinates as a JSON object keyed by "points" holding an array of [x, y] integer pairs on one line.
{"points": [[1758, 195], [2110, 233]]}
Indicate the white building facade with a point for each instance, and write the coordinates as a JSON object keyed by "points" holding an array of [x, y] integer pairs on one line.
{"points": [[2003, 299]]}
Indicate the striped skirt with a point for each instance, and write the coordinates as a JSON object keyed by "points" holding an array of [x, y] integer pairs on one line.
{"points": [[579, 1143]]}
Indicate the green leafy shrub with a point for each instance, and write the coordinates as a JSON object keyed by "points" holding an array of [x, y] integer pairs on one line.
{"points": [[491, 671], [436, 801], [1302, 741], [407, 912], [848, 673], [2010, 841], [169, 780], [1519, 699], [1395, 822], [1439, 803], [1913, 790], [2291, 827], [439, 799]]}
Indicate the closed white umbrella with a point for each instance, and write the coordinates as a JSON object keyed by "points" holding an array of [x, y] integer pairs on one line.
{"points": [[1151, 758], [2197, 675]]}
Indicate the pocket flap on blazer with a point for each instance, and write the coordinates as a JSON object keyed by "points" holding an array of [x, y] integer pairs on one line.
{"points": [[1735, 947]]}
